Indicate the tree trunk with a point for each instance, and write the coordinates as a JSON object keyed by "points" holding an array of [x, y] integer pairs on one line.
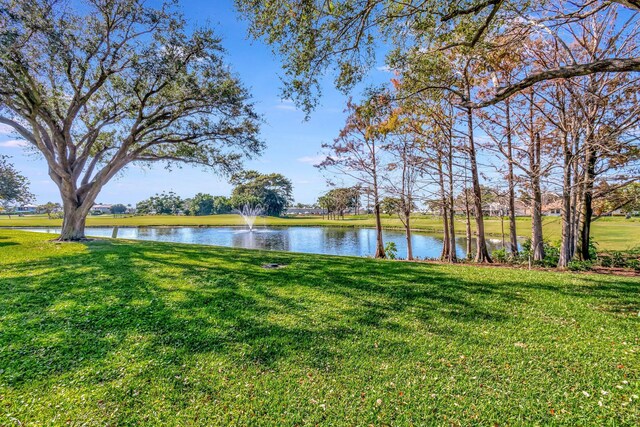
{"points": [[76, 206], [537, 243], [376, 209], [513, 235], [585, 227], [379, 244], [407, 227], [482, 253], [73, 223], [566, 252], [452, 231], [576, 198], [444, 255], [446, 247], [584, 235], [467, 223]]}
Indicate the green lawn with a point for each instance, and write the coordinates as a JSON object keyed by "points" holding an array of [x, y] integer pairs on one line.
{"points": [[124, 333], [614, 233]]}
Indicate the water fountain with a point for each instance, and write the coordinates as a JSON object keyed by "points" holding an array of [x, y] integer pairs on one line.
{"points": [[249, 213]]}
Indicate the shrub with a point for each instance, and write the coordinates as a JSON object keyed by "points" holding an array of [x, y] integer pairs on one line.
{"points": [[617, 259], [605, 261], [634, 264], [500, 255], [391, 250], [551, 253], [576, 265], [593, 248]]}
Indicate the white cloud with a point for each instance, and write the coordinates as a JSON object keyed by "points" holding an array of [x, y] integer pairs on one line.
{"points": [[14, 143], [312, 160], [384, 68], [286, 105]]}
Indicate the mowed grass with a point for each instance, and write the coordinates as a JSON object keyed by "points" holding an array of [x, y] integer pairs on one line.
{"points": [[125, 333], [611, 233]]}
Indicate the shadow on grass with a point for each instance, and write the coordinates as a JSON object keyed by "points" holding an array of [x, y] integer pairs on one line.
{"points": [[63, 313], [4, 244]]}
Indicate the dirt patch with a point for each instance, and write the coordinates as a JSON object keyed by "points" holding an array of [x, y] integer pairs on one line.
{"points": [[273, 266]]}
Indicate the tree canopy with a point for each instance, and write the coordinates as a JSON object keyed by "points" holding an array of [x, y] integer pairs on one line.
{"points": [[96, 86], [14, 188], [206, 204], [166, 203], [118, 209], [312, 37], [272, 192]]}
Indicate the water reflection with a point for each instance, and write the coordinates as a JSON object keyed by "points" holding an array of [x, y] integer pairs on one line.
{"points": [[318, 240]]}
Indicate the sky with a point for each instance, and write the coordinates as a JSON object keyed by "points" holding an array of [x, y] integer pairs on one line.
{"points": [[293, 144]]}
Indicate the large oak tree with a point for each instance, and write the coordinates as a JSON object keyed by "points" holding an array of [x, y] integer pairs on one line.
{"points": [[95, 85]]}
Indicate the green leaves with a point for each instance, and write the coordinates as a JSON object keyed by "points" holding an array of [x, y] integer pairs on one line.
{"points": [[14, 188], [273, 192]]}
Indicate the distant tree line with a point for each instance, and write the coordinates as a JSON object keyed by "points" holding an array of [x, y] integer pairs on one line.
{"points": [[339, 201], [271, 192]]}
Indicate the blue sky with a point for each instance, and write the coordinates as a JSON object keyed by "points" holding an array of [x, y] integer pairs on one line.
{"points": [[293, 145]]}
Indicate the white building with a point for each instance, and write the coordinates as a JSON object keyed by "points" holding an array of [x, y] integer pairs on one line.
{"points": [[26, 209], [101, 208]]}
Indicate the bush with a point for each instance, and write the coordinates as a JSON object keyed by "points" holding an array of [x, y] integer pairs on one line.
{"points": [[580, 265], [391, 250], [593, 248], [605, 261], [500, 255], [618, 260], [551, 254], [634, 264]]}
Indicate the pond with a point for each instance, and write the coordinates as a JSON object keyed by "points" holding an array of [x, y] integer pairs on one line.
{"points": [[315, 240]]}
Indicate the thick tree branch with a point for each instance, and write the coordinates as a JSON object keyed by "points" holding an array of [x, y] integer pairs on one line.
{"points": [[24, 132], [612, 65]]}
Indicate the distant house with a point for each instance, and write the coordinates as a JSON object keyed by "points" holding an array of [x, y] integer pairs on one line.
{"points": [[522, 208], [553, 208], [26, 209], [304, 211], [101, 208], [496, 209], [551, 205]]}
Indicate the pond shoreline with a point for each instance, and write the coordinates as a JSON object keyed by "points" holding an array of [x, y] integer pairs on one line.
{"points": [[349, 241], [369, 227]]}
